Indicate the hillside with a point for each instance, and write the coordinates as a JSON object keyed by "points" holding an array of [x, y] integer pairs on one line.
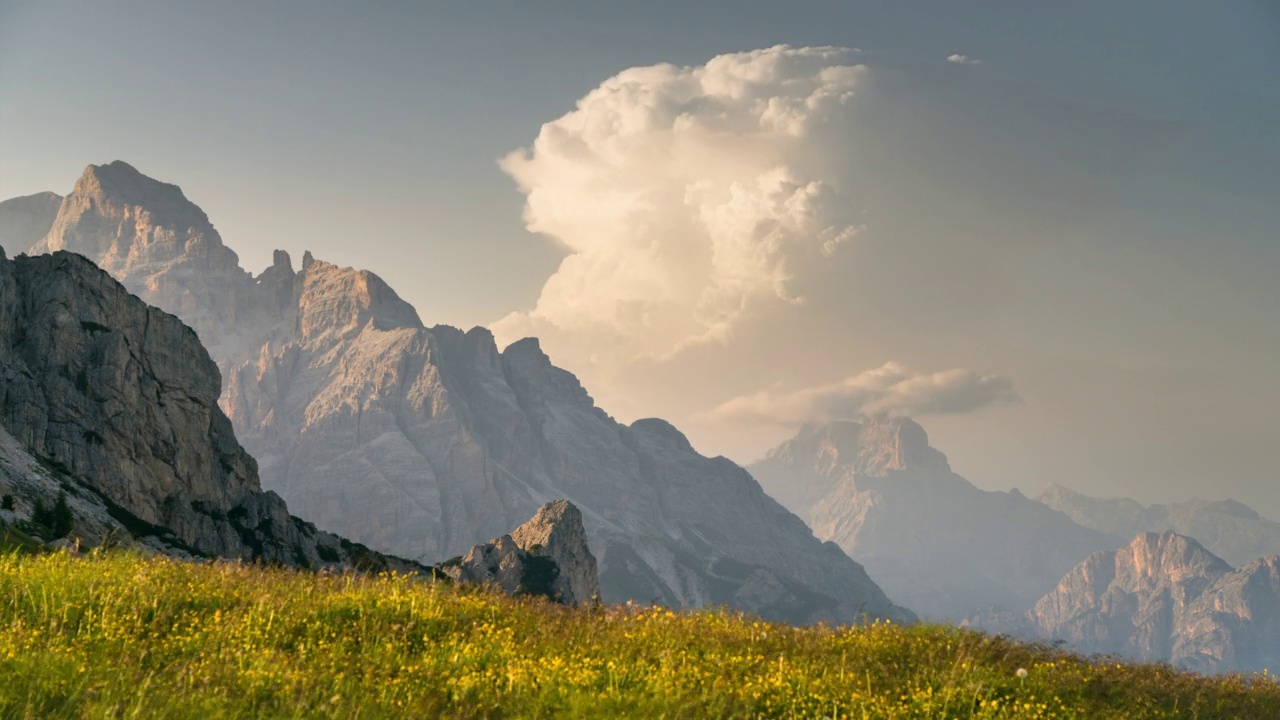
{"points": [[119, 635]]}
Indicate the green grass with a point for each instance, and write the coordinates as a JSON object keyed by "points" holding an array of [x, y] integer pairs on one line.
{"points": [[119, 635]]}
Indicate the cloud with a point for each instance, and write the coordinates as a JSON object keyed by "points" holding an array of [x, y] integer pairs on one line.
{"points": [[959, 59], [888, 390], [784, 214], [687, 195]]}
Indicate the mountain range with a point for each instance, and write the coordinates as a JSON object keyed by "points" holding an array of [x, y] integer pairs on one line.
{"points": [[111, 405], [425, 441], [932, 539], [321, 384], [1229, 529]]}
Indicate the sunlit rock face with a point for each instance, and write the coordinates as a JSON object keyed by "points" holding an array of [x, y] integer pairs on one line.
{"points": [[930, 538], [115, 403], [425, 441], [1165, 597]]}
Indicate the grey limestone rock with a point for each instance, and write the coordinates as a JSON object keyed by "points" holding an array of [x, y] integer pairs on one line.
{"points": [[523, 561], [1165, 597], [117, 401]]}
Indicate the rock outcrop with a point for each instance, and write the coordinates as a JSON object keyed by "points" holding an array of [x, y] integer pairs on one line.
{"points": [[933, 540], [117, 401], [1165, 597], [546, 556], [1229, 529], [425, 441], [25, 220]]}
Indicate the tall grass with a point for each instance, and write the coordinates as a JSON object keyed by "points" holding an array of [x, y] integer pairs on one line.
{"points": [[120, 635]]}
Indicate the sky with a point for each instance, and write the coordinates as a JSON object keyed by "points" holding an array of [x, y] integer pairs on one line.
{"points": [[1047, 231]]}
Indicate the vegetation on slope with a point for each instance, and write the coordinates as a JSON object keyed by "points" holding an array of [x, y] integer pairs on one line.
{"points": [[116, 634]]}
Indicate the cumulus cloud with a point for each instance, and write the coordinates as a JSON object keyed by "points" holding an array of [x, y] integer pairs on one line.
{"points": [[888, 390], [783, 214], [685, 196], [959, 59]]}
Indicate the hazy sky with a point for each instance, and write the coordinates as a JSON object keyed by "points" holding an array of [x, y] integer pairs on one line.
{"points": [[1046, 230]]}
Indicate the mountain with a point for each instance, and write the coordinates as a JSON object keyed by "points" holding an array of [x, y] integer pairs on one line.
{"points": [[426, 441], [24, 220], [1229, 529], [930, 538], [112, 404], [1165, 597]]}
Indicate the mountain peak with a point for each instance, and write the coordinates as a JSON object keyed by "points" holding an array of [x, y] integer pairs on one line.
{"points": [[120, 183], [879, 446]]}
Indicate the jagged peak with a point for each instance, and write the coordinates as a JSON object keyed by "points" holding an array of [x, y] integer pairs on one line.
{"points": [[1157, 553], [876, 447], [123, 183], [526, 350], [280, 259], [343, 299]]}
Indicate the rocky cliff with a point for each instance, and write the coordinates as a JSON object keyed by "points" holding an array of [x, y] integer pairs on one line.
{"points": [[425, 441], [115, 403], [1165, 597], [932, 539], [546, 556], [1229, 529]]}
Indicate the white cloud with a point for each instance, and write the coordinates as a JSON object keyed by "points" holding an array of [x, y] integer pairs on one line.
{"points": [[888, 390], [685, 196], [959, 59], [784, 214]]}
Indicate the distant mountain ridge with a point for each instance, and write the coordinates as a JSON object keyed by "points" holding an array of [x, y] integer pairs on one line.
{"points": [[1227, 528], [24, 220], [426, 441], [927, 535]]}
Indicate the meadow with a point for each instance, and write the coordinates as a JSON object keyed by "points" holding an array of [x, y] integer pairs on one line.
{"points": [[120, 635]]}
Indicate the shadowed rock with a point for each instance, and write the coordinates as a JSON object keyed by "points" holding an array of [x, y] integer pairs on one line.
{"points": [[546, 556]]}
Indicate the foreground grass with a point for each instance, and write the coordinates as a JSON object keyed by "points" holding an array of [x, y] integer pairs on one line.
{"points": [[118, 635]]}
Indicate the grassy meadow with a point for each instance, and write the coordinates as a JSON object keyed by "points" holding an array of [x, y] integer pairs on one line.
{"points": [[116, 634]]}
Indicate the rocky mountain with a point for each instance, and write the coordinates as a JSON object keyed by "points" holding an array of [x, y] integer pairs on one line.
{"points": [[426, 441], [113, 404], [930, 538], [1229, 529], [1165, 597], [546, 556], [24, 220]]}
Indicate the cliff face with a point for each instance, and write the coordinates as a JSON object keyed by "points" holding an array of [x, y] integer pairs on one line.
{"points": [[928, 536], [118, 400], [1164, 597], [1231, 530], [425, 441]]}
